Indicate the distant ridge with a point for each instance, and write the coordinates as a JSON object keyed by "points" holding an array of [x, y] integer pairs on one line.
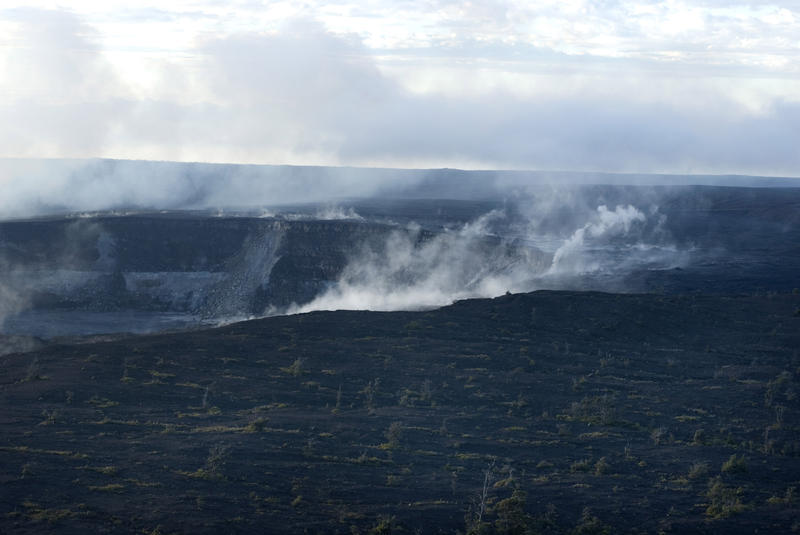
{"points": [[63, 185]]}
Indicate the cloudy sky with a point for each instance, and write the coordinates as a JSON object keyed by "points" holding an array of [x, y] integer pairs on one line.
{"points": [[709, 86]]}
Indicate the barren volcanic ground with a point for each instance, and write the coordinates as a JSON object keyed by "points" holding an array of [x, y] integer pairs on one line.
{"points": [[549, 412], [673, 407]]}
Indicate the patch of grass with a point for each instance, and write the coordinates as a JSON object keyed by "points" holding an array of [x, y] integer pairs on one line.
{"points": [[592, 410], [51, 516], [200, 473], [602, 467], [593, 435], [111, 487], [161, 375], [699, 437], [735, 464], [107, 470], [583, 465], [724, 500], [144, 484], [36, 451], [698, 470], [295, 369], [256, 426], [393, 435], [218, 429], [590, 524], [102, 403], [788, 498], [190, 385], [658, 435]]}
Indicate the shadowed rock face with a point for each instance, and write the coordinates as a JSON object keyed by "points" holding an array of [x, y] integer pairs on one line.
{"points": [[156, 269], [207, 266]]}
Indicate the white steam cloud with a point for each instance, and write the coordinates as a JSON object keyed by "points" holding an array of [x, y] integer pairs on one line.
{"points": [[416, 270], [570, 257], [37, 187], [412, 270], [330, 212], [11, 302]]}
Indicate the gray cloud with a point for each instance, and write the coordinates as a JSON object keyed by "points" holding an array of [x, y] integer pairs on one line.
{"points": [[61, 95], [317, 92], [305, 95]]}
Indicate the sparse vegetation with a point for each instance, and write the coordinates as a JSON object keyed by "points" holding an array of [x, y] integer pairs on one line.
{"points": [[33, 373], [658, 435], [295, 368], [735, 464], [393, 435], [724, 500], [348, 429], [588, 524], [698, 470]]}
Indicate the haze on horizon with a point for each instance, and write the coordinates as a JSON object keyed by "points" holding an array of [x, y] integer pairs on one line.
{"points": [[621, 86]]}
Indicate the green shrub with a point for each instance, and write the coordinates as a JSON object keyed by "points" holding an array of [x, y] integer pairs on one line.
{"points": [[393, 435], [699, 437], [589, 524], [734, 465], [698, 470], [384, 526], [724, 500], [602, 467], [581, 466], [511, 516], [296, 368]]}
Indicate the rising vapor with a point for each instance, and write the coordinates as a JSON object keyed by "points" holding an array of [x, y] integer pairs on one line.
{"points": [[412, 270]]}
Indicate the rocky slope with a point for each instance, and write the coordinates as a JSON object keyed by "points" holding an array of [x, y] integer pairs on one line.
{"points": [[557, 412], [214, 267]]}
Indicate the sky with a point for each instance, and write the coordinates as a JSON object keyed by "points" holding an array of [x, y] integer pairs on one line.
{"points": [[709, 86]]}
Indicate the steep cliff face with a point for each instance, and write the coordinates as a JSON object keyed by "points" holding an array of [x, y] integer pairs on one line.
{"points": [[391, 255], [311, 258], [208, 266]]}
